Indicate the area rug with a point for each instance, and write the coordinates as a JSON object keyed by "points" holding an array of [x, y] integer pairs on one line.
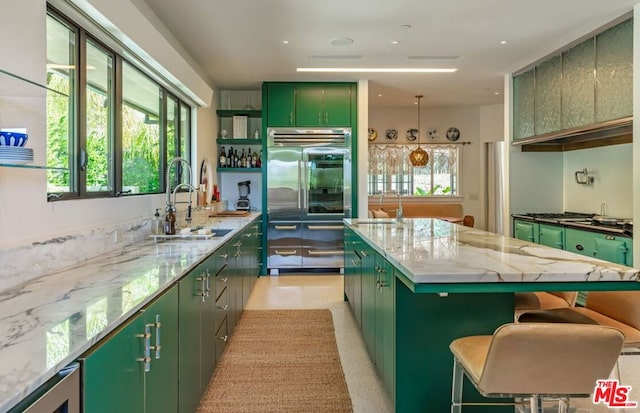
{"points": [[279, 361]]}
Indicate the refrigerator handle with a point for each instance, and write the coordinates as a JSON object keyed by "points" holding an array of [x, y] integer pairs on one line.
{"points": [[305, 188], [299, 182]]}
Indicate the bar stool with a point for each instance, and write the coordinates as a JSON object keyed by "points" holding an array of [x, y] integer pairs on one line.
{"points": [[543, 300], [617, 309], [534, 361]]}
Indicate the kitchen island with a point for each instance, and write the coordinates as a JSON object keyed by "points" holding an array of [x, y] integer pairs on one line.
{"points": [[51, 321], [416, 286]]}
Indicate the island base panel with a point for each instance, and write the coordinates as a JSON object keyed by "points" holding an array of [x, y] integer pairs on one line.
{"points": [[425, 326]]}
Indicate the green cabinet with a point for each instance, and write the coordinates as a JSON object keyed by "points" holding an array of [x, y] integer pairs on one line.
{"points": [[281, 104], [385, 322], [368, 278], [525, 230], [310, 104], [352, 275], [196, 317], [551, 236], [135, 369], [323, 104]]}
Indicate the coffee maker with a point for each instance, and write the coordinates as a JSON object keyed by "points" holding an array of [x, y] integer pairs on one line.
{"points": [[244, 189]]}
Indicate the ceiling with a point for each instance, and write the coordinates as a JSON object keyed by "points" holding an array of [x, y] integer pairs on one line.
{"points": [[239, 43]]}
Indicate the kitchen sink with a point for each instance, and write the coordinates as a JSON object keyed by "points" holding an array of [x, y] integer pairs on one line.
{"points": [[219, 232]]}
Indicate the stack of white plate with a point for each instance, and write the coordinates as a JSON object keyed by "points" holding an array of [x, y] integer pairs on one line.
{"points": [[15, 155]]}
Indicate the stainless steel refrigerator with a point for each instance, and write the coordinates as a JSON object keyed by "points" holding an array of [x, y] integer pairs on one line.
{"points": [[308, 195]]}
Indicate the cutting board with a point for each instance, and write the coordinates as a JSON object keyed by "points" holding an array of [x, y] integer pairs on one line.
{"points": [[229, 214]]}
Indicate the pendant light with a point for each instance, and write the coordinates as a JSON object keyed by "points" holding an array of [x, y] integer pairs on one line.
{"points": [[418, 157]]}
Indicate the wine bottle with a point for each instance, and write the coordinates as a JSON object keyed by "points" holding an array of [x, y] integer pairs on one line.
{"points": [[223, 158]]}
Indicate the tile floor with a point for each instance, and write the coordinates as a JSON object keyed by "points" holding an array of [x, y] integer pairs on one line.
{"points": [[366, 390]]}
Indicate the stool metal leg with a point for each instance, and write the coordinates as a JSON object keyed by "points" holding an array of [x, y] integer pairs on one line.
{"points": [[456, 387]]}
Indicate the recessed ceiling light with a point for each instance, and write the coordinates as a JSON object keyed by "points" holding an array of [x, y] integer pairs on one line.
{"points": [[503, 42], [395, 42], [376, 70], [496, 93], [285, 41], [341, 41], [379, 95]]}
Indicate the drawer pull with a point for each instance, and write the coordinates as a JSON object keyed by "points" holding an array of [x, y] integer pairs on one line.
{"points": [[224, 307], [224, 280], [223, 338], [285, 227], [289, 252], [326, 252], [324, 227]]}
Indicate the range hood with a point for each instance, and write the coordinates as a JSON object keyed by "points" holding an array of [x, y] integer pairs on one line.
{"points": [[612, 132]]}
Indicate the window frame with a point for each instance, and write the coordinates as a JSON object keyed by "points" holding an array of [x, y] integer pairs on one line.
{"points": [[78, 128]]}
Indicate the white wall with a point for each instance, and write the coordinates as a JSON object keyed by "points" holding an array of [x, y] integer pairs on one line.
{"points": [[25, 214], [476, 125], [611, 167]]}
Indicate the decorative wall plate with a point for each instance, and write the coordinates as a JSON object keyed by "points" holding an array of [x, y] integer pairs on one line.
{"points": [[453, 134], [392, 134], [412, 134], [373, 134], [433, 133]]}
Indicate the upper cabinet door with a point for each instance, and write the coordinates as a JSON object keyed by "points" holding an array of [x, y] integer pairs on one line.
{"points": [[523, 102], [309, 107], [337, 105], [281, 104], [547, 96], [614, 72], [578, 85]]}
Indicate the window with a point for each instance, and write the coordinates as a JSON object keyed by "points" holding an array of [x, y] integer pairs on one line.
{"points": [[110, 125], [391, 172]]}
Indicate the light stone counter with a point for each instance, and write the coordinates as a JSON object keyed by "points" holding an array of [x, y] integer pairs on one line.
{"points": [[48, 322], [434, 251]]}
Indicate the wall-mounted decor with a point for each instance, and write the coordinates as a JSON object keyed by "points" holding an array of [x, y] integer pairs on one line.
{"points": [[392, 134], [411, 134], [373, 134], [433, 133], [453, 134]]}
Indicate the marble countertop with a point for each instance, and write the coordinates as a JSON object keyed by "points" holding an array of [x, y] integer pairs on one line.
{"points": [[435, 251], [50, 321]]}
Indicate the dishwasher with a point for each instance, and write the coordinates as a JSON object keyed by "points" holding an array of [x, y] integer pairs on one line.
{"points": [[61, 394]]}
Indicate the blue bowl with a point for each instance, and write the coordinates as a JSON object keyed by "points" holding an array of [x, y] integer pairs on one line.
{"points": [[13, 138]]}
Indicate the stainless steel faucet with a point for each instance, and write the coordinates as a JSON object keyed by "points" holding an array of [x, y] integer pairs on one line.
{"points": [[171, 206]]}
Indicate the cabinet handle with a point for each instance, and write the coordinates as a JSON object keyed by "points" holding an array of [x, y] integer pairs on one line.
{"points": [[291, 118], [355, 263], [146, 358], [364, 254], [327, 252], [290, 252], [208, 286], [203, 290], [157, 346], [326, 118], [237, 244], [320, 227], [224, 307], [318, 118], [579, 247], [223, 338], [285, 227], [224, 280], [224, 256]]}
